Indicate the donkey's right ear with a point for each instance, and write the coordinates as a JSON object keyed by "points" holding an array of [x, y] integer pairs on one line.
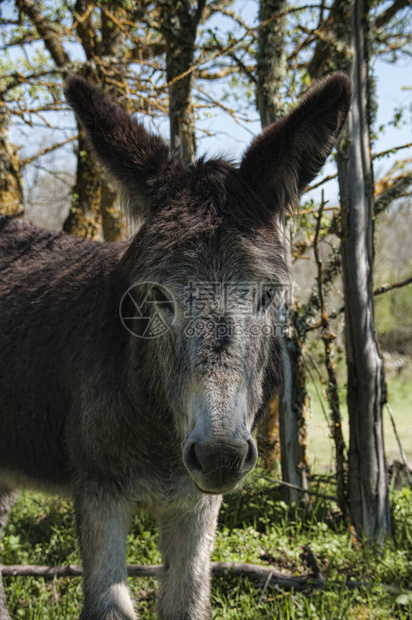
{"points": [[132, 156]]}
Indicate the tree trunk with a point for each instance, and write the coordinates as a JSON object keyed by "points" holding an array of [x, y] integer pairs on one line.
{"points": [[84, 219], [269, 435], [368, 491], [271, 72], [181, 117], [113, 220], [179, 27], [11, 189], [285, 426], [271, 60], [293, 420], [332, 52]]}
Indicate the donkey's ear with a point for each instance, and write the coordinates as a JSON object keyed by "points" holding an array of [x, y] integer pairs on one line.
{"points": [[132, 156], [288, 154]]}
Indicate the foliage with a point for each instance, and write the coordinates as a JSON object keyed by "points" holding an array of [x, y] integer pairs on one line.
{"points": [[393, 320], [255, 525], [393, 308]]}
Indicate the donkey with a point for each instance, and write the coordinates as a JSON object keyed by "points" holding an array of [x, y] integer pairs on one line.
{"points": [[133, 374]]}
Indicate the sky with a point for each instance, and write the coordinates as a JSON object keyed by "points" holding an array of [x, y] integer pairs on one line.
{"points": [[391, 80], [231, 139]]}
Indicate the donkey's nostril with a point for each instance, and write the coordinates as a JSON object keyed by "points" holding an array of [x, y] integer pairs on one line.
{"points": [[192, 460], [251, 456], [250, 453]]}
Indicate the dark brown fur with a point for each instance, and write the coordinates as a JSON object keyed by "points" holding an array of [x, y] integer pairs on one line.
{"points": [[90, 410]]}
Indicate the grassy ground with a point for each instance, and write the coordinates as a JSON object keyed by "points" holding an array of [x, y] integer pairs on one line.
{"points": [[255, 526]]}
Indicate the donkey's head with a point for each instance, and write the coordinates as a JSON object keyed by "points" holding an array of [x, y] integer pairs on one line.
{"points": [[207, 266]]}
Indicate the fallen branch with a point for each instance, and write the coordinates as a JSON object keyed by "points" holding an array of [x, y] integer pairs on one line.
{"points": [[289, 485], [265, 574], [219, 569]]}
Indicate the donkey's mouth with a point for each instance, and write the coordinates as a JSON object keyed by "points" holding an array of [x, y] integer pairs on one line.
{"points": [[229, 488], [219, 468]]}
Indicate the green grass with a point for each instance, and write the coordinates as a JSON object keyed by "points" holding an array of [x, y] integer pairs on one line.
{"points": [[400, 400], [254, 526]]}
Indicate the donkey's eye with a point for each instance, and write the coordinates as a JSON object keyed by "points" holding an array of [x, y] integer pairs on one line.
{"points": [[265, 298], [162, 299]]}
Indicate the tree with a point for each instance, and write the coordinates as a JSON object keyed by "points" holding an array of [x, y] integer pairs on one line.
{"points": [[11, 187], [84, 216], [179, 23], [347, 48], [288, 411], [111, 44], [368, 489], [271, 65]]}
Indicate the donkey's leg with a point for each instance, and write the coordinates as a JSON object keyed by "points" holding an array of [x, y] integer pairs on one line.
{"points": [[7, 499], [186, 541], [103, 522]]}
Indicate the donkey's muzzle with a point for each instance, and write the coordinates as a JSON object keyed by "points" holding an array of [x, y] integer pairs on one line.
{"points": [[218, 467]]}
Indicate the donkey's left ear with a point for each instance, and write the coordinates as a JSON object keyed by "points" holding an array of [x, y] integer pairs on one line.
{"points": [[288, 154]]}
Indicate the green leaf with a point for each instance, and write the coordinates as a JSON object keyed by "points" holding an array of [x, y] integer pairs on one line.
{"points": [[404, 599]]}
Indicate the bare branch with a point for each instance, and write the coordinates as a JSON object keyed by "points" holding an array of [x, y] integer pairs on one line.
{"points": [[227, 110], [378, 291], [59, 176], [392, 150], [390, 287], [387, 15], [46, 150], [332, 389], [321, 182], [391, 190], [47, 31], [221, 73], [17, 79]]}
